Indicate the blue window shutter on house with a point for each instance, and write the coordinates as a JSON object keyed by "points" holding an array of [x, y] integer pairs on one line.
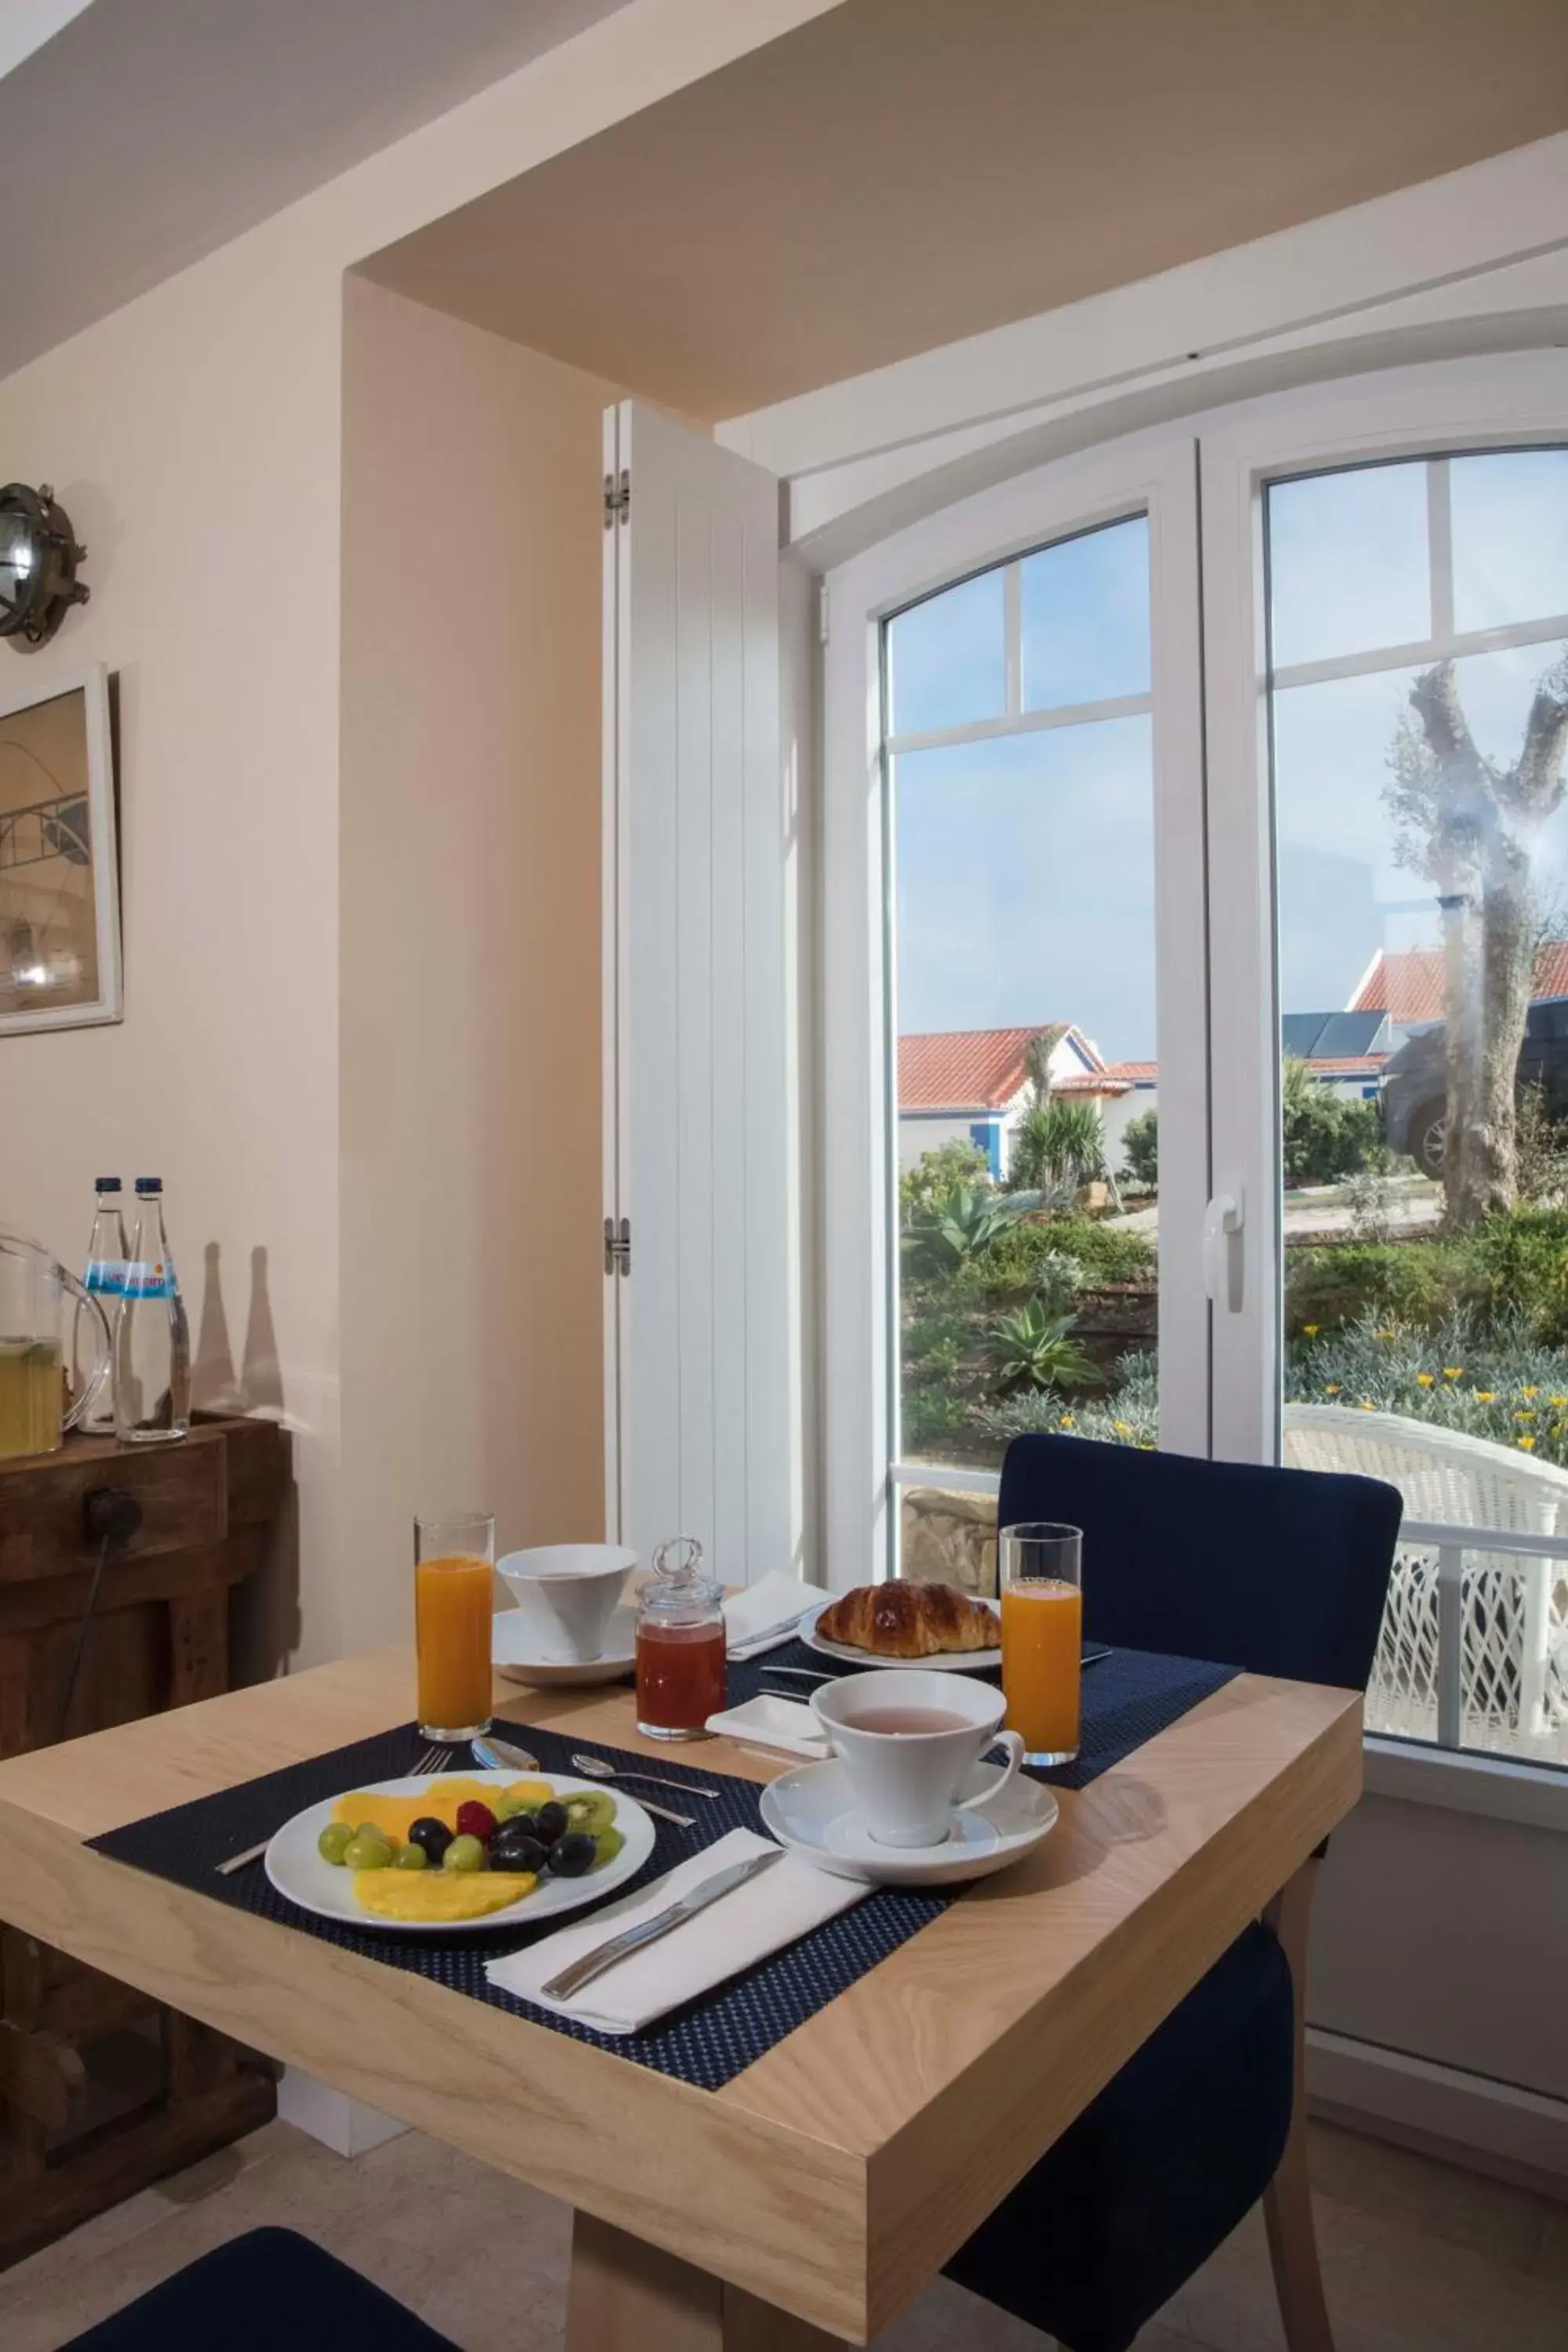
{"points": [[986, 1134]]}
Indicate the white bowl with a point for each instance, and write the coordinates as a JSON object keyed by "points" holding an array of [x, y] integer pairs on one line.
{"points": [[567, 1594]]}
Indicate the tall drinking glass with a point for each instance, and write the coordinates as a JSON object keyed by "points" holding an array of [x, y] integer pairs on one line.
{"points": [[1041, 1569], [453, 1605]]}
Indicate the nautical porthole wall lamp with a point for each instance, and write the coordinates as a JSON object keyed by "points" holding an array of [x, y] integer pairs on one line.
{"points": [[38, 557]]}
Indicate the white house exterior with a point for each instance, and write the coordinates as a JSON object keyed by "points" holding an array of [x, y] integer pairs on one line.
{"points": [[972, 1085]]}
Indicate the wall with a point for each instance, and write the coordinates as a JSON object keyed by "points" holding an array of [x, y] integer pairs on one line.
{"points": [[470, 822], [196, 439]]}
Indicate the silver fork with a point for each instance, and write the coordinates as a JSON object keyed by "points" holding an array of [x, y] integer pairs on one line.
{"points": [[432, 1759]]}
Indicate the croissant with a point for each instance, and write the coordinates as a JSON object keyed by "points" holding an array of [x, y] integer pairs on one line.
{"points": [[908, 1620]]}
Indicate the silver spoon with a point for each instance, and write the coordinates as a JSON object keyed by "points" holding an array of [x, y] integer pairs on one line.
{"points": [[504, 1755], [594, 1768]]}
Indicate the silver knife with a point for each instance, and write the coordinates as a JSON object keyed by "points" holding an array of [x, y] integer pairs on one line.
{"points": [[749, 1642], [649, 1931]]}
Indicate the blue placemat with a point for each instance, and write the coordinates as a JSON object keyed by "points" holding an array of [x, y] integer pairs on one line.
{"points": [[711, 2041]]}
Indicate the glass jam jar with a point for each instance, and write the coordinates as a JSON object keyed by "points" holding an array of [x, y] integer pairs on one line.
{"points": [[681, 1643]]}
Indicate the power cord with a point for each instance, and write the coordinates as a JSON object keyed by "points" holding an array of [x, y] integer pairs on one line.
{"points": [[110, 1517]]}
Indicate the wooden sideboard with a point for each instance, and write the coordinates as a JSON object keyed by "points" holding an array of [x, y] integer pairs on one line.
{"points": [[101, 2090]]}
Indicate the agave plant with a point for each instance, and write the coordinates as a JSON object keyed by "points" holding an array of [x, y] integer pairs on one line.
{"points": [[959, 1228], [1032, 1349]]}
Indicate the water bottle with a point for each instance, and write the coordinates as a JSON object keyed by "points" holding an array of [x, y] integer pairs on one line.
{"points": [[151, 1337], [105, 1277]]}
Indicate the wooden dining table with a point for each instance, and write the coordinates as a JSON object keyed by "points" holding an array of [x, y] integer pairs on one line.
{"points": [[808, 2200]]}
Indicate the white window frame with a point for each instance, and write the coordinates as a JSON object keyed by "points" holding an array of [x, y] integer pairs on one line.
{"points": [[1152, 473], [1511, 402]]}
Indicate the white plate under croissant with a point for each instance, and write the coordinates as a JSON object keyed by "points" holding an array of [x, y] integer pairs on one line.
{"points": [[929, 1612]]}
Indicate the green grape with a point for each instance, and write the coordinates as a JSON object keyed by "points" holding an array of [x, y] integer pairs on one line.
{"points": [[368, 1850], [410, 1857], [333, 1841], [464, 1854]]}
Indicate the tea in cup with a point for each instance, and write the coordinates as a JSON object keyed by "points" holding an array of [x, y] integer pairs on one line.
{"points": [[908, 1742]]}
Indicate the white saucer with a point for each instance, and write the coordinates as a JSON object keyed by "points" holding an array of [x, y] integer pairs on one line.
{"points": [[510, 1657], [811, 1811], [946, 1662]]}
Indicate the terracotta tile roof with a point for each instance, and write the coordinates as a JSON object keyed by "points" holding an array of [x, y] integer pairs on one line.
{"points": [[1134, 1071], [968, 1069], [1409, 986]]}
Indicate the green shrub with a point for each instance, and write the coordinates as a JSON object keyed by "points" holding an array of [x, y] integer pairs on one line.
{"points": [[936, 1175], [1513, 1266], [1325, 1135], [1101, 1253], [1141, 1149], [1130, 1416]]}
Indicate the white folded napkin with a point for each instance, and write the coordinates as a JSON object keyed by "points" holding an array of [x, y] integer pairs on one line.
{"points": [[781, 1724], [762, 1607], [777, 1907]]}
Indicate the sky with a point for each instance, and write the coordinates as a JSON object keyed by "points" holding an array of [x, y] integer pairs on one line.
{"points": [[1025, 863]]}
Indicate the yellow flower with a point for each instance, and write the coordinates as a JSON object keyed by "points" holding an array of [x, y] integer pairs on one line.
{"points": [[1383, 1335], [1486, 1396], [1425, 1379], [1067, 1421], [1557, 1400], [1330, 1388], [1453, 1371], [1529, 1392], [1311, 1330], [1123, 1428], [1524, 1416], [1367, 1405], [1525, 1445]]}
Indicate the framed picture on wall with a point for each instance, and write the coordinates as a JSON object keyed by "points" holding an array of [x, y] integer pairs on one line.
{"points": [[59, 865]]}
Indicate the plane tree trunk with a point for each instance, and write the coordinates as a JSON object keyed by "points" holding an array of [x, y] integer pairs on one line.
{"points": [[1473, 826]]}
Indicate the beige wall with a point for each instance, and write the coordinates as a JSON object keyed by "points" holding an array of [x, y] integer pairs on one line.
{"points": [[196, 439], [471, 1282]]}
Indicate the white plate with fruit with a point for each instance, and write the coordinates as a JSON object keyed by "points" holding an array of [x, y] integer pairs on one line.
{"points": [[494, 1851]]}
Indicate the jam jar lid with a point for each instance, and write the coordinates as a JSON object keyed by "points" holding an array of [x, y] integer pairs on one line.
{"points": [[679, 1585]]}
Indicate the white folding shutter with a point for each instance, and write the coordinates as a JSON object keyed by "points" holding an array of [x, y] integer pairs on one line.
{"points": [[697, 1149]]}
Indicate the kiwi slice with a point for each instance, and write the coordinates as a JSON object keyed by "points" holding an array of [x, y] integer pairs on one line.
{"points": [[589, 1809], [606, 1845]]}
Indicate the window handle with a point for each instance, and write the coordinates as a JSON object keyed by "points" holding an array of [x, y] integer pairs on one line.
{"points": [[1223, 1254]]}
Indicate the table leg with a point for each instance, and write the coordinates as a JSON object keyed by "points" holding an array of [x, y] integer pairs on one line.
{"points": [[629, 2296]]}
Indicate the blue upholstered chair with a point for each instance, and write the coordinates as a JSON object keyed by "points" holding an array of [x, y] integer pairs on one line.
{"points": [[264, 2290], [1280, 1573]]}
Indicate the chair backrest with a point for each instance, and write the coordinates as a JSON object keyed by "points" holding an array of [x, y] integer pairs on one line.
{"points": [[1443, 1474], [1277, 1571]]}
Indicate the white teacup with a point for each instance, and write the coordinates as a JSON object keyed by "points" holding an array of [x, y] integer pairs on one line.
{"points": [[566, 1596], [908, 1742]]}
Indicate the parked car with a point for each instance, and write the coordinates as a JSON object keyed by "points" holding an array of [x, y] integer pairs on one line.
{"points": [[1415, 1098]]}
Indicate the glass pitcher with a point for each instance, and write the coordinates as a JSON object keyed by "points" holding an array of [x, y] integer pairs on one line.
{"points": [[35, 1346]]}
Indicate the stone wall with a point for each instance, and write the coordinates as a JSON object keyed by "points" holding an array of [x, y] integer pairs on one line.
{"points": [[948, 1538]]}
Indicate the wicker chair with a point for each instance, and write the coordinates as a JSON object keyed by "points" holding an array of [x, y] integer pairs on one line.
{"points": [[1514, 1670]]}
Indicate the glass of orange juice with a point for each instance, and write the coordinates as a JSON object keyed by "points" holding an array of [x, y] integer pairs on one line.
{"points": [[1041, 1568], [453, 1604]]}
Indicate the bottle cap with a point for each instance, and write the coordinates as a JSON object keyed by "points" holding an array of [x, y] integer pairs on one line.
{"points": [[106, 1184], [148, 1184]]}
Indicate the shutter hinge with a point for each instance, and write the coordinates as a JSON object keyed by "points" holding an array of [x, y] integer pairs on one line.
{"points": [[617, 1247], [617, 496]]}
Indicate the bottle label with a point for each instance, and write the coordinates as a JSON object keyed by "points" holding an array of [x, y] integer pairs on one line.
{"points": [[149, 1278], [107, 1276]]}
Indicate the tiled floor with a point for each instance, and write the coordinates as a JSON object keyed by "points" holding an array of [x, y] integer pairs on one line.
{"points": [[1418, 2257]]}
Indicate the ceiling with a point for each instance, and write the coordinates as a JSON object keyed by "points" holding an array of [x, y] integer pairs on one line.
{"points": [[140, 134], [901, 173]]}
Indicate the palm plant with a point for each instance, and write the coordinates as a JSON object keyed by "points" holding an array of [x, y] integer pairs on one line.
{"points": [[1057, 1146]]}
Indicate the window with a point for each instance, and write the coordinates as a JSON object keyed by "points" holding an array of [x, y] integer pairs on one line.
{"points": [[1219, 889], [1418, 636], [1022, 989]]}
